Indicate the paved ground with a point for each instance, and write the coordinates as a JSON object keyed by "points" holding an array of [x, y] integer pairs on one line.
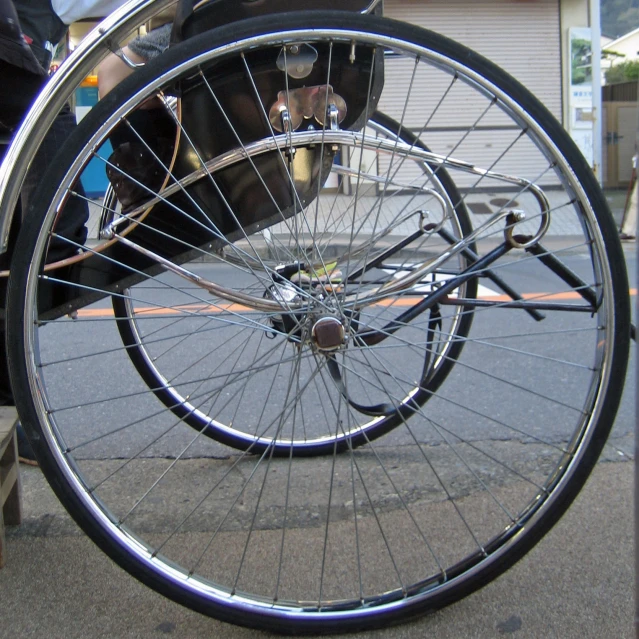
{"points": [[480, 205], [578, 582]]}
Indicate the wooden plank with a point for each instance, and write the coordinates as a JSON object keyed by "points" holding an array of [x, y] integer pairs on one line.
{"points": [[1, 539], [8, 419], [12, 509], [10, 486], [8, 476]]}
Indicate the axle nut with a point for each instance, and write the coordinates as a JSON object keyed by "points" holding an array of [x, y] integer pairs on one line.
{"points": [[328, 334]]}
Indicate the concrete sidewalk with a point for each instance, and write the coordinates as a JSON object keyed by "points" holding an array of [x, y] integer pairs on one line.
{"points": [[578, 582], [480, 206]]}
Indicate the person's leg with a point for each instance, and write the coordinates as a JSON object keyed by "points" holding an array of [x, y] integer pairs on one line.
{"points": [[15, 100], [113, 69], [71, 224], [143, 146], [19, 90]]}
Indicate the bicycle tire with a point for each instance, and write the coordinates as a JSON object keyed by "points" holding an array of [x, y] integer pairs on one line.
{"points": [[356, 572]]}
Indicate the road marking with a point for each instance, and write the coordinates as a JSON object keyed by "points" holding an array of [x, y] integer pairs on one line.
{"points": [[205, 309]]}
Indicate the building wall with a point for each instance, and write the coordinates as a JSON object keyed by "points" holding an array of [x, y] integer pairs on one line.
{"points": [[629, 47]]}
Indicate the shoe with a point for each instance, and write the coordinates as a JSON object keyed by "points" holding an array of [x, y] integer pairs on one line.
{"points": [[25, 450], [626, 236]]}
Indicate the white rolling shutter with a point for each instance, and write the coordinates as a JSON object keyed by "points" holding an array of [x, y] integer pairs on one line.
{"points": [[522, 36]]}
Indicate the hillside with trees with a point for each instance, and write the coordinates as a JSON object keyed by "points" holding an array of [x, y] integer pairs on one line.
{"points": [[619, 17]]}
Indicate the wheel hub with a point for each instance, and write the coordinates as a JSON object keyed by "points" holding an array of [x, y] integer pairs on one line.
{"points": [[328, 334]]}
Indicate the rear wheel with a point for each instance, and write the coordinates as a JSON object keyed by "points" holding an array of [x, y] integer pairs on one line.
{"points": [[439, 357], [324, 309]]}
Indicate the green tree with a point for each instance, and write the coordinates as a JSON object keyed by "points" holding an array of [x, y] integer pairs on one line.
{"points": [[623, 72], [581, 59]]}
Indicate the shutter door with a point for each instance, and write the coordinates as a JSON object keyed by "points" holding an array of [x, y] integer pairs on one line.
{"points": [[522, 36]]}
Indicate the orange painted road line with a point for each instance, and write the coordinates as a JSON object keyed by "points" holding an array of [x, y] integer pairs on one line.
{"points": [[153, 310], [204, 309]]}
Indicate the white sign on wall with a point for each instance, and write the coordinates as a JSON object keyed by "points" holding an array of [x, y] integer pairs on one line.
{"points": [[580, 123]]}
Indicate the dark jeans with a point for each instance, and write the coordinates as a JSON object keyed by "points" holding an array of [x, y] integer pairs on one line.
{"points": [[18, 90]]}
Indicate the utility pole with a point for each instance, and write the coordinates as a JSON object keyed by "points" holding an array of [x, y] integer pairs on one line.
{"points": [[597, 108]]}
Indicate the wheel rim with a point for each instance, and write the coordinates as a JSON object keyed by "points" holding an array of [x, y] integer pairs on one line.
{"points": [[373, 514]]}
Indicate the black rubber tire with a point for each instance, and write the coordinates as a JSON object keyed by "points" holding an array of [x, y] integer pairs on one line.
{"points": [[462, 579]]}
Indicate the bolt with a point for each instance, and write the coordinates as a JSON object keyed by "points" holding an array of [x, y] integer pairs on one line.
{"points": [[328, 333]]}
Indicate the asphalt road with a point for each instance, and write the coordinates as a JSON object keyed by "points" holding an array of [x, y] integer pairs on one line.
{"points": [[95, 376], [576, 583]]}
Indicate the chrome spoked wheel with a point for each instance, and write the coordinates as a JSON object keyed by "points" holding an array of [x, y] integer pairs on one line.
{"points": [[240, 467], [435, 363]]}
